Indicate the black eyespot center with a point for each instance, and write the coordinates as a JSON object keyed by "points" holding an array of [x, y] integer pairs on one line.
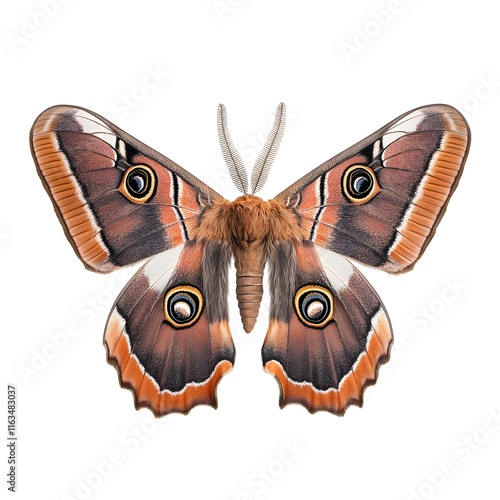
{"points": [[138, 183], [359, 184], [314, 305], [182, 306]]}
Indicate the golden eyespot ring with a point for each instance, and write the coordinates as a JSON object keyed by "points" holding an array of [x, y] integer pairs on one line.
{"points": [[359, 184], [182, 306], [138, 183], [314, 305]]}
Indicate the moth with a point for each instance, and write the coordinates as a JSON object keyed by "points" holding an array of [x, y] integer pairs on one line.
{"points": [[121, 202]]}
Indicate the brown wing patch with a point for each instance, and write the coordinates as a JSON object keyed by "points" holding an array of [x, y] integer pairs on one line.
{"points": [[68, 197], [146, 390], [417, 160], [351, 387], [431, 197], [83, 161], [329, 366], [173, 368]]}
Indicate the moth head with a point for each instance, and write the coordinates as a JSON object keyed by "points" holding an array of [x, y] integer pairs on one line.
{"points": [[138, 183], [359, 184]]}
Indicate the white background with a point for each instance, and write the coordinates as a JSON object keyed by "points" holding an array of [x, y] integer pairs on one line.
{"points": [[428, 428]]}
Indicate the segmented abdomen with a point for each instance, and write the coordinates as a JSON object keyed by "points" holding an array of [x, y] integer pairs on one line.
{"points": [[249, 293]]}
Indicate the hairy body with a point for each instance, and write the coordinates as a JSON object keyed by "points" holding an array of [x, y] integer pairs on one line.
{"points": [[251, 228]]}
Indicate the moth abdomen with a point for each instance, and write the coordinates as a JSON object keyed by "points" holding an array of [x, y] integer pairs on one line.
{"points": [[249, 294]]}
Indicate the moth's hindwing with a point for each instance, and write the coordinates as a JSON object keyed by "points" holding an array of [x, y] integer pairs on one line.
{"points": [[380, 201], [329, 332], [118, 200], [168, 333]]}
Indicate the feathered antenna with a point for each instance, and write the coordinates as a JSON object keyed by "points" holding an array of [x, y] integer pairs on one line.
{"points": [[265, 159], [232, 158]]}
